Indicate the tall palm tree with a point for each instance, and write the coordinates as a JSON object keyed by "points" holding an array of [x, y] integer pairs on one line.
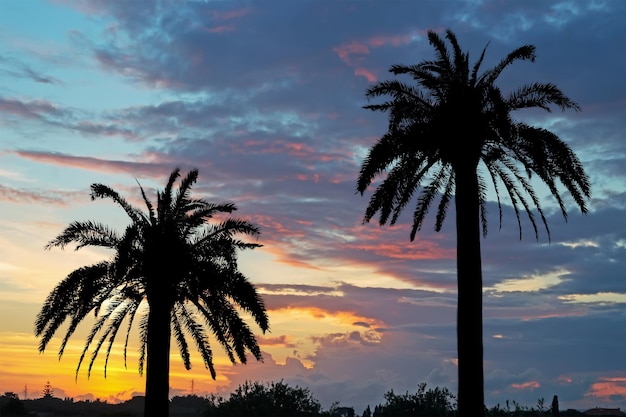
{"points": [[451, 135], [173, 271]]}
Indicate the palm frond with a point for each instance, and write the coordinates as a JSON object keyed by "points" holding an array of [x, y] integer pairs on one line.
{"points": [[115, 321], [428, 194], [149, 205], [406, 188], [210, 309], [184, 189], [442, 54], [131, 320], [540, 95], [444, 202], [95, 329], [164, 198], [86, 233], [523, 53], [245, 295], [143, 341], [181, 341], [197, 332], [476, 67], [379, 157], [104, 191], [74, 297]]}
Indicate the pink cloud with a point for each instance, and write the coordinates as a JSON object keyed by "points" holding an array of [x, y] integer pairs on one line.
{"points": [[35, 109], [395, 40], [345, 50], [304, 177], [13, 195], [354, 47], [369, 75], [147, 169], [353, 52]]}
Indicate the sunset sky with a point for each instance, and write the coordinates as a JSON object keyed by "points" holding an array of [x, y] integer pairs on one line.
{"points": [[266, 99]]}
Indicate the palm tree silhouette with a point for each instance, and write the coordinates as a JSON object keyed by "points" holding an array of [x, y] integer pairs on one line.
{"points": [[451, 135], [175, 263]]}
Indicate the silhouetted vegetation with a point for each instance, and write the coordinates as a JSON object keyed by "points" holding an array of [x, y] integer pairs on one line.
{"points": [[10, 405], [432, 402], [274, 399], [450, 135], [265, 400]]}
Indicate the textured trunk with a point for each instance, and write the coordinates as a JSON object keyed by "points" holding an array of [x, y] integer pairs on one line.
{"points": [[469, 279], [158, 359]]}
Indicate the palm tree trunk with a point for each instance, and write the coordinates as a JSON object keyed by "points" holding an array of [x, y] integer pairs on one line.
{"points": [[471, 398], [157, 360]]}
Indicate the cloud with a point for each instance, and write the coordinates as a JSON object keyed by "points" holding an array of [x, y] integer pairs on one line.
{"points": [[53, 114], [28, 196], [608, 389], [18, 69], [36, 109], [140, 169]]}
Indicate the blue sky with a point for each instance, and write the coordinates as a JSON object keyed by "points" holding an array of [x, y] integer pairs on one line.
{"points": [[265, 99]]}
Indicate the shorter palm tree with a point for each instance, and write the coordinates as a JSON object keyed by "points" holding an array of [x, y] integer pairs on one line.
{"points": [[173, 271]]}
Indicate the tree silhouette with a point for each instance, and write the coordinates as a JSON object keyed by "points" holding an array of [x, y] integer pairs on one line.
{"points": [[176, 262], [451, 135], [274, 399], [48, 391]]}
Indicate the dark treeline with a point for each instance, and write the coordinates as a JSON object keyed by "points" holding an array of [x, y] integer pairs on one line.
{"points": [[274, 399]]}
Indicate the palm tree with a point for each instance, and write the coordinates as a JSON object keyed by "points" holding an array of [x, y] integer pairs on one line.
{"points": [[451, 135], [173, 271]]}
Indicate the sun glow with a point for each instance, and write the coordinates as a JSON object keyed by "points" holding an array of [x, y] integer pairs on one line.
{"points": [[308, 327]]}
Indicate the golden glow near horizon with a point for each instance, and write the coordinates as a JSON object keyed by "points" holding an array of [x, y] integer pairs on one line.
{"points": [[296, 333]]}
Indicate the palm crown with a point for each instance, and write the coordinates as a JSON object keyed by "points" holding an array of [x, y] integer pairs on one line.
{"points": [[171, 258], [457, 118]]}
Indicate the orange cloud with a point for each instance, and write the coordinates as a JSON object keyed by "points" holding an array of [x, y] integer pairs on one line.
{"points": [[282, 340], [531, 385], [608, 387], [421, 250]]}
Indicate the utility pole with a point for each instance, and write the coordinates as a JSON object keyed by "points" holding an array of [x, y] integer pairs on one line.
{"points": [[25, 391], [192, 390]]}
